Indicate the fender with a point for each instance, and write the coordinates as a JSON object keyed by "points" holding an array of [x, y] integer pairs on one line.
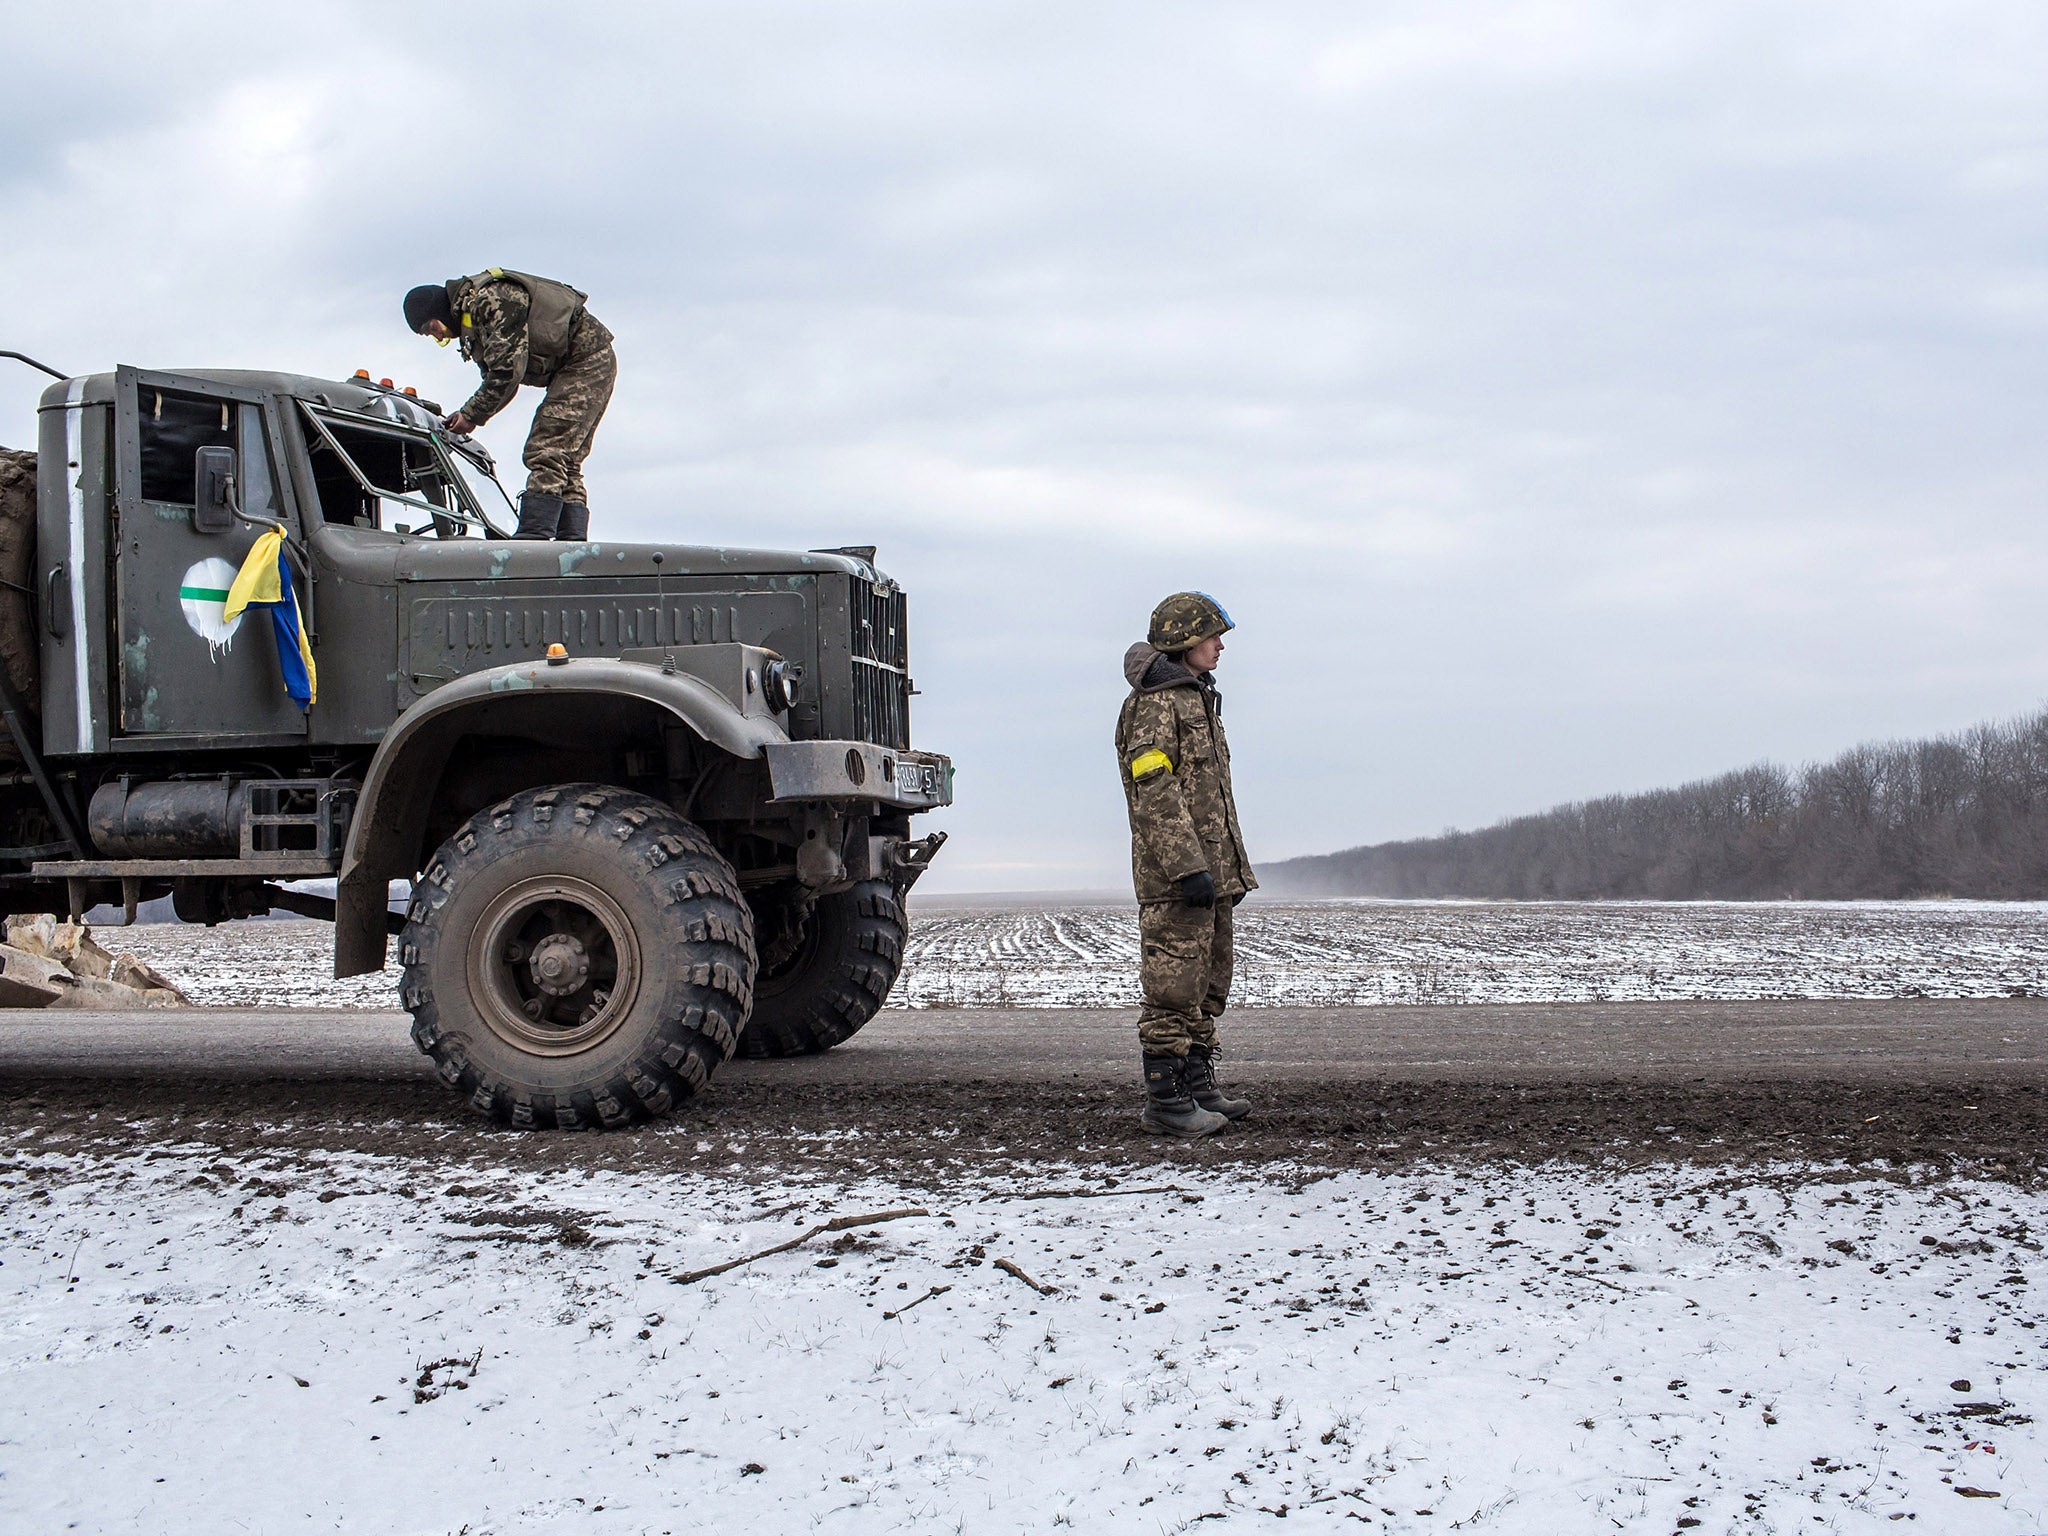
{"points": [[391, 812]]}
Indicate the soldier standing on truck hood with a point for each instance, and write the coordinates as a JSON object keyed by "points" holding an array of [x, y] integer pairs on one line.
{"points": [[520, 329], [1187, 859]]}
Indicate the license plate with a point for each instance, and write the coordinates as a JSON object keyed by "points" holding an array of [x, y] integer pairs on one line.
{"points": [[910, 778]]}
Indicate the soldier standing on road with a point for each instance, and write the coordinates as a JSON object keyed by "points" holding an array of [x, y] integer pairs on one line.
{"points": [[1187, 859], [519, 329]]}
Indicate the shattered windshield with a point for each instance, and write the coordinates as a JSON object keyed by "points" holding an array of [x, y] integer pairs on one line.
{"points": [[376, 473]]}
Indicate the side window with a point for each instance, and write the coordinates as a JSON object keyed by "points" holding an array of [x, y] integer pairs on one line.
{"points": [[174, 429], [258, 489]]}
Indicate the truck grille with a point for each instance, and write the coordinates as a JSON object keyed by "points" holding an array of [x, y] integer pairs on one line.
{"points": [[881, 658], [878, 629]]}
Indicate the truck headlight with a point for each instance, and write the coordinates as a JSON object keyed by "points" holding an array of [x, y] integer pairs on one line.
{"points": [[780, 684]]}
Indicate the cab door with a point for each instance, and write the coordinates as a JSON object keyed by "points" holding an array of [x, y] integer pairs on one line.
{"points": [[183, 671]]}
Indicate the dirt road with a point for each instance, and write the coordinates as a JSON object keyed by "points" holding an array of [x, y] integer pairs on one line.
{"points": [[1957, 1083]]}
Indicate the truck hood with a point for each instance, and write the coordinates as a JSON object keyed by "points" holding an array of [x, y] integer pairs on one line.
{"points": [[379, 557], [428, 559]]}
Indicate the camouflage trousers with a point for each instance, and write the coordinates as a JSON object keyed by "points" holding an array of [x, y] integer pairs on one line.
{"points": [[566, 423], [1185, 974]]}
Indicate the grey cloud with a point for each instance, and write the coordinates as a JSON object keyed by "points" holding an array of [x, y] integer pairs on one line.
{"points": [[1565, 398]]}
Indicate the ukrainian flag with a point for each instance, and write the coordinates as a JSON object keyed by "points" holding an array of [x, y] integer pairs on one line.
{"points": [[265, 581]]}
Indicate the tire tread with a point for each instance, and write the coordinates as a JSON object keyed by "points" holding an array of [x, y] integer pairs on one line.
{"points": [[708, 931], [853, 972]]}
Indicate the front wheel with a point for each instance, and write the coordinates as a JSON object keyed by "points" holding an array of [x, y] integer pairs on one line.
{"points": [[577, 956], [826, 971]]}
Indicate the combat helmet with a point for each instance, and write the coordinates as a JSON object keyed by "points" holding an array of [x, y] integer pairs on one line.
{"points": [[1186, 619]]}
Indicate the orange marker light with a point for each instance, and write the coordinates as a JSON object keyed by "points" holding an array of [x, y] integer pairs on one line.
{"points": [[386, 383], [411, 391], [362, 373], [557, 653]]}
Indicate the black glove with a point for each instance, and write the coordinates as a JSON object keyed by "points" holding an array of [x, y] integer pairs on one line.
{"points": [[1198, 889]]}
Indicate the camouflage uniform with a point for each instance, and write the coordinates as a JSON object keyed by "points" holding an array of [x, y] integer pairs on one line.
{"points": [[1185, 973], [577, 391], [1175, 764]]}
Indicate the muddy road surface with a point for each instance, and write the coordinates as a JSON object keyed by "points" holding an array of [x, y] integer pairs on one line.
{"points": [[1955, 1084]]}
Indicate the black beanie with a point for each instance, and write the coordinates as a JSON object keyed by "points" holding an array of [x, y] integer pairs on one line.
{"points": [[428, 302]]}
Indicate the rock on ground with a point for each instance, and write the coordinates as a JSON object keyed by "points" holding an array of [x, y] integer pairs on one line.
{"points": [[48, 964]]}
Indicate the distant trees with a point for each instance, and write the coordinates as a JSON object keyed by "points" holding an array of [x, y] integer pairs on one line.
{"points": [[1962, 815]]}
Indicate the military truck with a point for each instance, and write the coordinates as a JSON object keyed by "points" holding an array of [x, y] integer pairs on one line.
{"points": [[653, 801]]}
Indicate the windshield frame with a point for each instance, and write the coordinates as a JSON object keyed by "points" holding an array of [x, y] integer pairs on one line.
{"points": [[474, 456], [468, 511]]}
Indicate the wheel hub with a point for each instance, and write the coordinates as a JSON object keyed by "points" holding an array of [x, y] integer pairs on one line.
{"points": [[560, 965], [554, 965]]}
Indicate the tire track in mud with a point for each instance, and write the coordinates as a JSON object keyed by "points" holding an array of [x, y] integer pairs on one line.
{"points": [[757, 1130], [1882, 1087]]}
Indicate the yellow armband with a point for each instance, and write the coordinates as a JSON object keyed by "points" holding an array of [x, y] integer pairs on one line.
{"points": [[1145, 764]]}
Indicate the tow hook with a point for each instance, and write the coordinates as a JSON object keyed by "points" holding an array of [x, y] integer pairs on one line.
{"points": [[909, 860]]}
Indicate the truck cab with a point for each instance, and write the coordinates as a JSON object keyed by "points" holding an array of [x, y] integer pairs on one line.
{"points": [[597, 714]]}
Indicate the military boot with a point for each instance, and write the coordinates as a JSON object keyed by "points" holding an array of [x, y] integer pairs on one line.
{"points": [[1169, 1110], [575, 523], [1201, 1079], [539, 515]]}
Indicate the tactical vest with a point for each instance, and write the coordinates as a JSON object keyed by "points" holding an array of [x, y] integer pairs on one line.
{"points": [[552, 312]]}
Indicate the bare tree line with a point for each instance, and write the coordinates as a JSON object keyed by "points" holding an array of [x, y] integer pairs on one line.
{"points": [[1961, 815]]}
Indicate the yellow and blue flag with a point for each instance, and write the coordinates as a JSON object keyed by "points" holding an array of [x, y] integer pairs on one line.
{"points": [[265, 581]]}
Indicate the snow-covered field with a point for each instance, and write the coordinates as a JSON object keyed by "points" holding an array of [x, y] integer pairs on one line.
{"points": [[346, 1342], [1323, 953], [1327, 953]]}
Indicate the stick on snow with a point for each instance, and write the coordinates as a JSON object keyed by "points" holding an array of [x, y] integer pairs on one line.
{"points": [[1010, 1269], [1580, 1274], [937, 1290], [836, 1224]]}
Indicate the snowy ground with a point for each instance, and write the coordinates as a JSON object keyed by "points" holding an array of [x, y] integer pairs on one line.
{"points": [[222, 1318], [302, 1340], [1326, 953]]}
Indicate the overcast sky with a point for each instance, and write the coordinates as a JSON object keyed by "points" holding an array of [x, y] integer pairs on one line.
{"points": [[1564, 398]]}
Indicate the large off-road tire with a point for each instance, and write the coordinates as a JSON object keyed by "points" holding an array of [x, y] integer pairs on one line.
{"points": [[833, 971], [19, 651], [577, 956]]}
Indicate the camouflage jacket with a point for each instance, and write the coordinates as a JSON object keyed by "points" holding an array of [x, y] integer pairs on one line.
{"points": [[496, 342], [1176, 772]]}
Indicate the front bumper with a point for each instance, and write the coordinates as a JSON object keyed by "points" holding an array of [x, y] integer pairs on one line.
{"points": [[859, 772]]}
